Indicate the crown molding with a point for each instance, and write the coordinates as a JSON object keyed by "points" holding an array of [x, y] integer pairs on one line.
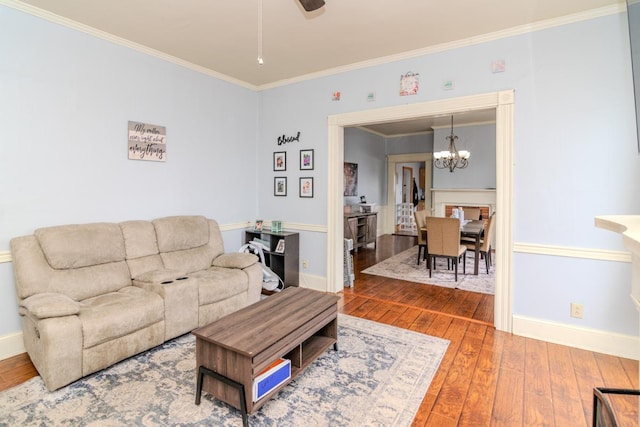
{"points": [[497, 35], [57, 19], [510, 32]]}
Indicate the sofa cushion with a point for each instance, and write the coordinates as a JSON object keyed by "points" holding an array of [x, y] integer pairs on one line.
{"points": [[158, 276], [177, 233], [73, 246], [188, 260], [139, 239], [117, 314], [217, 284]]}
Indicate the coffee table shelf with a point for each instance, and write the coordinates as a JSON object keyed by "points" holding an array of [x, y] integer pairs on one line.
{"points": [[297, 324]]}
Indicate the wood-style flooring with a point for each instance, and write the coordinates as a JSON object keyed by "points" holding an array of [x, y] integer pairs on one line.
{"points": [[487, 378]]}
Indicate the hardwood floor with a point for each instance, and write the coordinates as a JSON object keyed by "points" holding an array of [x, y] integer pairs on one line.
{"points": [[487, 378]]}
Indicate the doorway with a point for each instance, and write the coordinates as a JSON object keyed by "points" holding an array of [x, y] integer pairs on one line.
{"points": [[407, 184], [500, 102]]}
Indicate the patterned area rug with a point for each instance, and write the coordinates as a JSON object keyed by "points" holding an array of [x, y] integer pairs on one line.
{"points": [[403, 266], [378, 376]]}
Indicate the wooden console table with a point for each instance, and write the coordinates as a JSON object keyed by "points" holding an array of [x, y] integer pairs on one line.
{"points": [[298, 324], [362, 228]]}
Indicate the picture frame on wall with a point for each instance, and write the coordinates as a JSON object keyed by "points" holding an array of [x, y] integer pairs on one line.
{"points": [[280, 161], [280, 186], [306, 160], [306, 187]]}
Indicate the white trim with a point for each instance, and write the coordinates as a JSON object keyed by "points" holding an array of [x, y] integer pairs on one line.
{"points": [[497, 35], [587, 339], [11, 345], [311, 281], [5, 256], [571, 252], [502, 102], [389, 210]]}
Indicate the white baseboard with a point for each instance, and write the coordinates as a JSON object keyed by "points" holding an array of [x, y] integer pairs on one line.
{"points": [[620, 345], [11, 345], [311, 281]]}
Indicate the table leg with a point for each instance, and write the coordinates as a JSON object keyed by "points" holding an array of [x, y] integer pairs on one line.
{"points": [[477, 255], [243, 404]]}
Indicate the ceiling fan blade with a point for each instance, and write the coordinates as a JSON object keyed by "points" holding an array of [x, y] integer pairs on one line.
{"points": [[311, 5]]}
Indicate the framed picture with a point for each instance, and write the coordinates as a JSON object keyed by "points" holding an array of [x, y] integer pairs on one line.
{"points": [[280, 186], [280, 247], [306, 160], [306, 187], [280, 161], [258, 225], [350, 179]]}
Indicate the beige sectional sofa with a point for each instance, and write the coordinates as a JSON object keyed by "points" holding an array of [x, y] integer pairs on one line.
{"points": [[91, 295]]}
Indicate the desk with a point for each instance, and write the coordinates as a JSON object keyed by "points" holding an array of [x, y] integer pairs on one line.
{"points": [[471, 229]]}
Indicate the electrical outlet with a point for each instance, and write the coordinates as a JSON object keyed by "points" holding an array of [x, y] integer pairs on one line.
{"points": [[577, 310], [305, 263]]}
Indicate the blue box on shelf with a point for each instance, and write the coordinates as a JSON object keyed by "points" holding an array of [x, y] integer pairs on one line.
{"points": [[272, 377]]}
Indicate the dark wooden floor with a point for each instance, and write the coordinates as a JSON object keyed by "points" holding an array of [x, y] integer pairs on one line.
{"points": [[487, 378]]}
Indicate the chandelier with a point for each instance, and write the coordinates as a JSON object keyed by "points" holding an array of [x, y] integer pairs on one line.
{"points": [[452, 158]]}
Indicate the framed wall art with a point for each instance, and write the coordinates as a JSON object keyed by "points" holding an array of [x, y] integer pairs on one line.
{"points": [[350, 179], [306, 160], [280, 161], [306, 187], [280, 186]]}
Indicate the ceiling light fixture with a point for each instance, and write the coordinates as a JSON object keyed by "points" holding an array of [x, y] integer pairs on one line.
{"points": [[260, 59], [453, 158], [311, 5]]}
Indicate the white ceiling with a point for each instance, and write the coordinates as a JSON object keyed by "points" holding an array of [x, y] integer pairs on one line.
{"points": [[221, 36]]}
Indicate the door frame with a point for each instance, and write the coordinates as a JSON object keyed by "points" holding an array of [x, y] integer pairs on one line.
{"points": [[389, 217], [503, 103]]}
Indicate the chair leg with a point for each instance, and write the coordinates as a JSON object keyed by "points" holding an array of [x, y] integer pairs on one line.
{"points": [[487, 262], [455, 266], [464, 263], [419, 252]]}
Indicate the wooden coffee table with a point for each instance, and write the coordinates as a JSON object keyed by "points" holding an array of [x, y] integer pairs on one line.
{"points": [[297, 324]]}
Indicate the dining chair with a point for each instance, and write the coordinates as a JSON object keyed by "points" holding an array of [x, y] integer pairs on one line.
{"points": [[485, 244], [443, 240], [471, 213], [422, 240]]}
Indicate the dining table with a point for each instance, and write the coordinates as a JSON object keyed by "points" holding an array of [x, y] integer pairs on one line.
{"points": [[472, 229]]}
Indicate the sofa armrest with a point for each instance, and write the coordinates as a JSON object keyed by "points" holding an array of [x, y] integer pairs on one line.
{"points": [[49, 304], [240, 260]]}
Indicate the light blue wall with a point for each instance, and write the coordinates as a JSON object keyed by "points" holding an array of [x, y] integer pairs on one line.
{"points": [[66, 97], [368, 151], [421, 143], [65, 100], [480, 140], [575, 153]]}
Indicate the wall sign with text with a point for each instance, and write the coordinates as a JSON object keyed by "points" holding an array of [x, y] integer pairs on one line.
{"points": [[147, 142]]}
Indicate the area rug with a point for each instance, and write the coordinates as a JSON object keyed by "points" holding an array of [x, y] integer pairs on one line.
{"points": [[403, 266], [378, 377]]}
